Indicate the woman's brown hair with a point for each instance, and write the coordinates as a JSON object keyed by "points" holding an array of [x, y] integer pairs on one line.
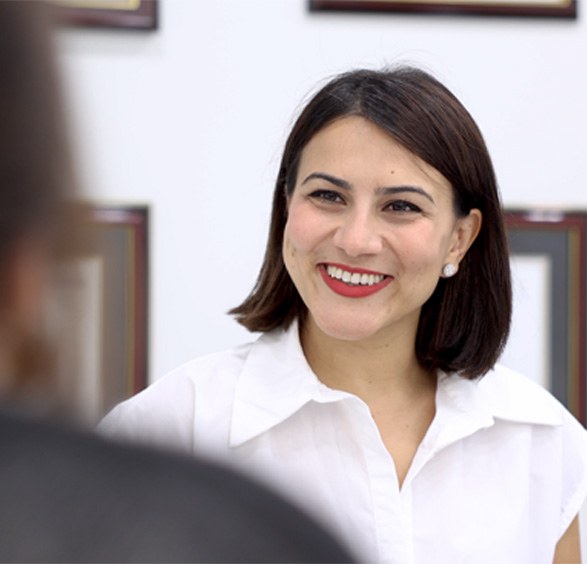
{"points": [[465, 323]]}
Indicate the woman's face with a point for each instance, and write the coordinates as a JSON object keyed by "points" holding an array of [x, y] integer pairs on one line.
{"points": [[370, 226]]}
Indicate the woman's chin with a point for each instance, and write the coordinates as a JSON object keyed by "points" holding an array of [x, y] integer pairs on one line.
{"points": [[347, 330]]}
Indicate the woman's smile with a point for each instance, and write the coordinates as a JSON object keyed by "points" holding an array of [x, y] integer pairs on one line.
{"points": [[352, 282]]}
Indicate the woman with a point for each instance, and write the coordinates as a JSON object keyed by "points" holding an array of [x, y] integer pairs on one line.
{"points": [[65, 495], [373, 396]]}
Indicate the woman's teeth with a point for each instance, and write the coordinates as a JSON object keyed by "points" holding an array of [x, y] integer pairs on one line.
{"points": [[353, 278]]}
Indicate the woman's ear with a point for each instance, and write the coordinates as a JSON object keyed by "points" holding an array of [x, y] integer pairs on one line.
{"points": [[465, 232]]}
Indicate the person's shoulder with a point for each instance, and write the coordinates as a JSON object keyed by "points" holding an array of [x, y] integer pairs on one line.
{"points": [[516, 397], [108, 488], [503, 376], [164, 412], [228, 362], [220, 368]]}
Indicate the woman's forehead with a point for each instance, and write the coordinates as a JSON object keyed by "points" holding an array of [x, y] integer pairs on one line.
{"points": [[358, 148]]}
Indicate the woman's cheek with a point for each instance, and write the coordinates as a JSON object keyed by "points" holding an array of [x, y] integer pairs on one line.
{"points": [[303, 229]]}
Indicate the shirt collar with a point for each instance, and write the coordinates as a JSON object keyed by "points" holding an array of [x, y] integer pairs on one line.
{"points": [[276, 381], [465, 406]]}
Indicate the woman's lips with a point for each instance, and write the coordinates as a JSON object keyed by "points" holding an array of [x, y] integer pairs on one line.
{"points": [[353, 282]]}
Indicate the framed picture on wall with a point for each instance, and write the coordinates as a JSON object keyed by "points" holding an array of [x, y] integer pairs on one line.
{"points": [[130, 14], [548, 336], [105, 348], [539, 8]]}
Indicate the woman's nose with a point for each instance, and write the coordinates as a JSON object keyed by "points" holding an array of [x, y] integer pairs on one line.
{"points": [[358, 235]]}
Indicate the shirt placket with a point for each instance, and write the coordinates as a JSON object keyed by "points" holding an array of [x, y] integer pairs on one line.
{"points": [[392, 509]]}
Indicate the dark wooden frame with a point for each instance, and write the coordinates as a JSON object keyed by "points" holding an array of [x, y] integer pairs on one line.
{"points": [[562, 237], [119, 235], [560, 9], [130, 14]]}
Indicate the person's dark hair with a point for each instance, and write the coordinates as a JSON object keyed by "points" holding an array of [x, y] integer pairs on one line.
{"points": [[36, 175], [465, 323], [34, 161]]}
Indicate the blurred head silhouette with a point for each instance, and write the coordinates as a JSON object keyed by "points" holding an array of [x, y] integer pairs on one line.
{"points": [[36, 182]]}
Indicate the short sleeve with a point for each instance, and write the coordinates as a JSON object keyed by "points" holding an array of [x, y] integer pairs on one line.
{"points": [[574, 471]]}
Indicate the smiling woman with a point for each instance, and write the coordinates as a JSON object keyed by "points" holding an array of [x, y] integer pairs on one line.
{"points": [[384, 299]]}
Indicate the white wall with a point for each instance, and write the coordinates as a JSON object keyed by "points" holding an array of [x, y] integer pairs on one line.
{"points": [[191, 120]]}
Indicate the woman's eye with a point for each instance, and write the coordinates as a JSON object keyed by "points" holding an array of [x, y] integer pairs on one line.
{"points": [[403, 206], [326, 196]]}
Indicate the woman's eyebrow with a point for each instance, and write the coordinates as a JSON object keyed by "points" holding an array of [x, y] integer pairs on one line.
{"points": [[329, 178], [385, 191], [401, 189]]}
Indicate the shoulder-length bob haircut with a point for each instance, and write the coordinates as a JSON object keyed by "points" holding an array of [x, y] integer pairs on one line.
{"points": [[464, 325]]}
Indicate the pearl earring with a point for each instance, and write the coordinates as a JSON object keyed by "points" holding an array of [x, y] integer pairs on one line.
{"points": [[449, 270]]}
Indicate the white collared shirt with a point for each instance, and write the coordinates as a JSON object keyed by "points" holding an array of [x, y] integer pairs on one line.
{"points": [[497, 479]]}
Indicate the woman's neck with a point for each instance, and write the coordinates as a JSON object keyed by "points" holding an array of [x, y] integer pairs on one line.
{"points": [[382, 366], [386, 375]]}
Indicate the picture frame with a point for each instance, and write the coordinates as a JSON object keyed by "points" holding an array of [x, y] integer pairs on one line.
{"points": [[127, 14], [550, 329], [103, 288], [534, 8]]}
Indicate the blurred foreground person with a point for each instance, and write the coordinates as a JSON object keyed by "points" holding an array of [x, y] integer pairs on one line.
{"points": [[64, 495]]}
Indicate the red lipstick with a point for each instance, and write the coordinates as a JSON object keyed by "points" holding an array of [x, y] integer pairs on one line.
{"points": [[352, 290]]}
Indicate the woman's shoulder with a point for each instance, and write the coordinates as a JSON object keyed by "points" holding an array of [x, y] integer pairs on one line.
{"points": [[227, 362], [219, 369], [515, 396], [164, 412]]}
